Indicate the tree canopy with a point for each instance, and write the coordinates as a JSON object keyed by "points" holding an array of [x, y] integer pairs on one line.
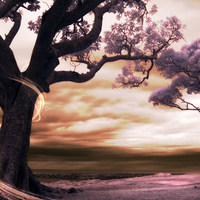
{"points": [[183, 67]]}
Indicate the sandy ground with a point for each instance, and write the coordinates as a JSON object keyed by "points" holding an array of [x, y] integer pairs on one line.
{"points": [[155, 187]]}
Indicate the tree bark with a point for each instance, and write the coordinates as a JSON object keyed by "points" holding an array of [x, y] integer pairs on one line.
{"points": [[14, 141]]}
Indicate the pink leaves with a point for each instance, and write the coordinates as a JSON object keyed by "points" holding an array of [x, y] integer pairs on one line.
{"points": [[153, 10], [129, 35], [165, 96], [156, 38], [171, 63], [162, 34], [123, 36], [128, 79]]}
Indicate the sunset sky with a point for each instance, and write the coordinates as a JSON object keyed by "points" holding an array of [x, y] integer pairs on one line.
{"points": [[95, 118]]}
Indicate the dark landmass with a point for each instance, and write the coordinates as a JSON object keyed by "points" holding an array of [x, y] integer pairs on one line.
{"points": [[107, 159], [87, 176], [54, 176]]}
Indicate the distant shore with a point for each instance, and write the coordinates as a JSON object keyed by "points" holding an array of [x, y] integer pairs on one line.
{"points": [[75, 176], [55, 176]]}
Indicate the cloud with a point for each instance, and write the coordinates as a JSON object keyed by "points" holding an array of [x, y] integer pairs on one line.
{"points": [[101, 115], [87, 130], [96, 115]]}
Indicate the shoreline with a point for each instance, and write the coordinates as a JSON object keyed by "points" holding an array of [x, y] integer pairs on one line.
{"points": [[162, 186]]}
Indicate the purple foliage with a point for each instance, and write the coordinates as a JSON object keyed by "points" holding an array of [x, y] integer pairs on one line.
{"points": [[183, 68]]}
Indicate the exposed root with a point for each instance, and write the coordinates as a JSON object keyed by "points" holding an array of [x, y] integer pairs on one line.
{"points": [[20, 177]]}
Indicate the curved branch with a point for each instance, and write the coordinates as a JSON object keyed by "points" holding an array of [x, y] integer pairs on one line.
{"points": [[58, 76], [6, 7], [42, 53], [82, 43], [50, 20], [68, 47], [189, 104], [71, 17], [14, 29], [129, 57], [85, 7], [8, 63], [172, 105], [147, 75], [187, 72]]}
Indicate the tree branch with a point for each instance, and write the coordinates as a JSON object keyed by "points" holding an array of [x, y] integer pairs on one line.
{"points": [[147, 75], [187, 72], [7, 60], [2, 98], [83, 42], [43, 52], [73, 16], [88, 5], [68, 47], [50, 20], [14, 29], [58, 76], [6, 7], [189, 104]]}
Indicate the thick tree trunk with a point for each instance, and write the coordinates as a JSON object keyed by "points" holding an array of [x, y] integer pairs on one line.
{"points": [[14, 141]]}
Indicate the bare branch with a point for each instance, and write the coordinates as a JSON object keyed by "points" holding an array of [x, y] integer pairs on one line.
{"points": [[189, 104], [147, 74], [172, 105]]}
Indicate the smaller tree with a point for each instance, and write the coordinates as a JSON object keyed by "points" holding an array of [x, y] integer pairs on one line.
{"points": [[183, 67]]}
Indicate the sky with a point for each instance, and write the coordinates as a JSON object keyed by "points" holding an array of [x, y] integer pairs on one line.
{"points": [[88, 125]]}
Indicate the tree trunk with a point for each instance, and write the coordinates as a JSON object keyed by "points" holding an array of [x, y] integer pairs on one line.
{"points": [[15, 139]]}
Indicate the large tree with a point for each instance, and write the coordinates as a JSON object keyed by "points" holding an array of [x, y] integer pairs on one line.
{"points": [[69, 29]]}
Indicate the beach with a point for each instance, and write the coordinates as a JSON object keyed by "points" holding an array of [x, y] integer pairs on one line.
{"points": [[161, 186]]}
